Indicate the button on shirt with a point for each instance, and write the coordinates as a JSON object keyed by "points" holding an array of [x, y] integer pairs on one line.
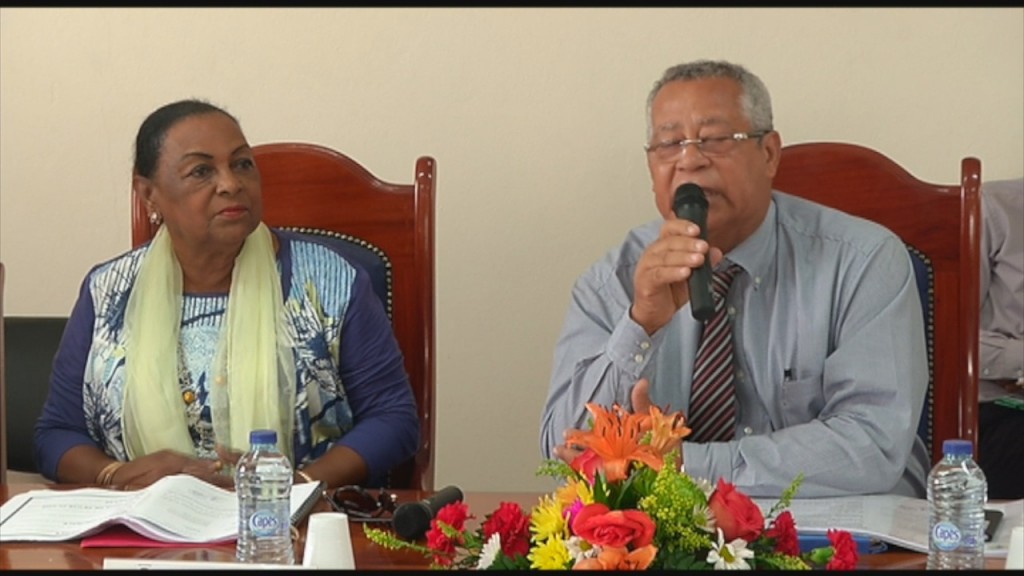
{"points": [[829, 339]]}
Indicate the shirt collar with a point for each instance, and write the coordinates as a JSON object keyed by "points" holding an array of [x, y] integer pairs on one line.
{"points": [[756, 254]]}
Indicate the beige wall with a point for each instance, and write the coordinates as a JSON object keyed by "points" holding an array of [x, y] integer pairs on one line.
{"points": [[535, 117]]}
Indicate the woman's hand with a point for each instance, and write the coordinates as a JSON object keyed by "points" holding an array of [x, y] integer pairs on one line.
{"points": [[219, 472], [228, 457], [215, 472], [145, 470]]}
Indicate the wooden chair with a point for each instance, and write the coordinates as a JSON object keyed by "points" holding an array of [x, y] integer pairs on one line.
{"points": [[386, 227], [941, 226]]}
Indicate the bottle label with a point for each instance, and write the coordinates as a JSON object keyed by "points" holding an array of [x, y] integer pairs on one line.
{"points": [[263, 523], [946, 536]]}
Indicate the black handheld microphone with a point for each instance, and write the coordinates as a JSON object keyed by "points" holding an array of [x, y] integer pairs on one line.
{"points": [[412, 519], [689, 203]]}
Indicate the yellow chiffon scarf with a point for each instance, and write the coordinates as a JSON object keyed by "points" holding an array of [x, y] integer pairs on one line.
{"points": [[252, 376]]}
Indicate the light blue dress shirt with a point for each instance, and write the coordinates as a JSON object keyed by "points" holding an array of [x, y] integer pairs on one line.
{"points": [[831, 361], [1001, 348]]}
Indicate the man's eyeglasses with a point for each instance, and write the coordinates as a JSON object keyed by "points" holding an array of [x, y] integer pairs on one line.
{"points": [[710, 146], [362, 505]]}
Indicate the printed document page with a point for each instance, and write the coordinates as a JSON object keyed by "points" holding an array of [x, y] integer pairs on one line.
{"points": [[899, 520], [189, 510], [56, 515], [180, 508]]}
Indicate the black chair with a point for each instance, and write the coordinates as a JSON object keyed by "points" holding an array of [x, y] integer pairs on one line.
{"points": [[30, 343], [3, 388]]}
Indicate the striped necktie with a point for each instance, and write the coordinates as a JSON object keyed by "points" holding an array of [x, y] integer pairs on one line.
{"points": [[712, 395]]}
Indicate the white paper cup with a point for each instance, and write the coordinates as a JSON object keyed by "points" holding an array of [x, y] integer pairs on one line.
{"points": [[1015, 553], [328, 542]]}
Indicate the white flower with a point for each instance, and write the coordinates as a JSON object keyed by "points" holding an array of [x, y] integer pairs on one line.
{"points": [[704, 518], [489, 551], [705, 486], [579, 549], [731, 556]]}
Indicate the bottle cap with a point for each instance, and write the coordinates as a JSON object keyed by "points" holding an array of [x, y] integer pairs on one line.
{"points": [[263, 437], [958, 447]]}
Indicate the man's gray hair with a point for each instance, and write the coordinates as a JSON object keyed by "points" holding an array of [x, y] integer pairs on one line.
{"points": [[755, 101]]}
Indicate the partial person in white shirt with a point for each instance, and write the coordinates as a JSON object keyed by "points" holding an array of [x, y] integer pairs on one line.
{"points": [[1001, 349], [830, 364]]}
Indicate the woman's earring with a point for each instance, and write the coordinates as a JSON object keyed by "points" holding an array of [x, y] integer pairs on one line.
{"points": [[154, 218]]}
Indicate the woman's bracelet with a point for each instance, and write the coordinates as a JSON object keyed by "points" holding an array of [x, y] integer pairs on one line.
{"points": [[305, 476], [106, 475]]}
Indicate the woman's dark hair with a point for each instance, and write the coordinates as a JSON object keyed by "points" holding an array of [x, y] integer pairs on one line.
{"points": [[153, 130]]}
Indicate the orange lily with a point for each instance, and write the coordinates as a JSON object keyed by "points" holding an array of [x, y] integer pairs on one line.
{"points": [[616, 439], [619, 559], [667, 430]]}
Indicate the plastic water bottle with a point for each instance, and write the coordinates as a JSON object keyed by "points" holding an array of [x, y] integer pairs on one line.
{"points": [[957, 493], [263, 481]]}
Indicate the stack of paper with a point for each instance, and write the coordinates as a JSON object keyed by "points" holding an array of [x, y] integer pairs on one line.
{"points": [[180, 508]]}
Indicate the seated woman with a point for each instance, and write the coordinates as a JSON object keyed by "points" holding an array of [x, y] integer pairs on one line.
{"points": [[175, 350]]}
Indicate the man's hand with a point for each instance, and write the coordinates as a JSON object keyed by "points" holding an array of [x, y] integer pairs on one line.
{"points": [[659, 283], [567, 452], [640, 396]]}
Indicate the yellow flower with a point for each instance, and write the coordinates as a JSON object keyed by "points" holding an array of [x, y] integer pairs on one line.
{"points": [[547, 520], [572, 491], [550, 555]]}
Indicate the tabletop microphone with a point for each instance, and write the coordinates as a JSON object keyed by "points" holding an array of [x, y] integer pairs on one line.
{"points": [[412, 519], [689, 203]]}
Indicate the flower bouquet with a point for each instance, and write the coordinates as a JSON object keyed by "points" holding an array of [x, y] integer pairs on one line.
{"points": [[624, 504]]}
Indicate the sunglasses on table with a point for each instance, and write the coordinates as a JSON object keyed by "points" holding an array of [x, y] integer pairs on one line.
{"points": [[362, 505]]}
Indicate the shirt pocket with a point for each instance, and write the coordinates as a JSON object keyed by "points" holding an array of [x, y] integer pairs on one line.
{"points": [[801, 400]]}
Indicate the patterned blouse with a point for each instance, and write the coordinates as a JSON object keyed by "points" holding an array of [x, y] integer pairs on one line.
{"points": [[344, 351]]}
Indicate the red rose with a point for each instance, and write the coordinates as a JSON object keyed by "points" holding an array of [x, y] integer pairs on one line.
{"points": [[587, 463], [845, 555], [735, 513], [513, 525], [600, 526], [783, 531]]}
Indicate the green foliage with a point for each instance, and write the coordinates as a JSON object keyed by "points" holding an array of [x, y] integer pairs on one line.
{"points": [[556, 469], [602, 492], [503, 562], [674, 501], [787, 496], [775, 561], [675, 559], [389, 541], [626, 494]]}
